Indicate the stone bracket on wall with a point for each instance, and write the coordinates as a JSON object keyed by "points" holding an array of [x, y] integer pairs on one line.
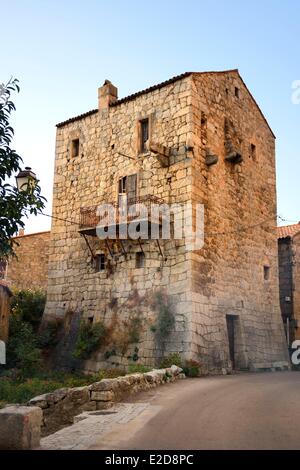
{"points": [[161, 152], [210, 158]]}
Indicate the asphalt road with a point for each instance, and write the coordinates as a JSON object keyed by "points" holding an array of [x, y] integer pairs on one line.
{"points": [[245, 411]]}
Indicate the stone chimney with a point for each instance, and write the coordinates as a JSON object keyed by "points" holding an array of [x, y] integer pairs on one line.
{"points": [[107, 94]]}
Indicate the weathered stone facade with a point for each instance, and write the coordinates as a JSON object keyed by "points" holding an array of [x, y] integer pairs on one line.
{"points": [[208, 143], [29, 269], [289, 279]]}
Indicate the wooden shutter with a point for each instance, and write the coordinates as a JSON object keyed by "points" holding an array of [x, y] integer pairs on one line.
{"points": [[131, 185]]}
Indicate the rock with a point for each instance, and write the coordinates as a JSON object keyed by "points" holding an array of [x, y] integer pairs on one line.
{"points": [[78, 395], [20, 427], [48, 399], [103, 396], [175, 370], [150, 377], [40, 401], [103, 385]]}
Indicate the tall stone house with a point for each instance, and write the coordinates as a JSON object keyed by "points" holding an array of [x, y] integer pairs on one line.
{"points": [[289, 279], [199, 138]]}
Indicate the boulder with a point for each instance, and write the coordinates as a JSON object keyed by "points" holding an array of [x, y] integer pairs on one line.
{"points": [[20, 427]]}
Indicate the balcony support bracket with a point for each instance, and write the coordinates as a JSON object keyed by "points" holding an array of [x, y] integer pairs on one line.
{"points": [[108, 247], [159, 247], [88, 245]]}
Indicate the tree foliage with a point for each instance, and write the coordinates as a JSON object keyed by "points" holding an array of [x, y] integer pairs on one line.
{"points": [[14, 205]]}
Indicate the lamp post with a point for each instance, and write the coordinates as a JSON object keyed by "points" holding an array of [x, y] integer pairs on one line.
{"points": [[26, 179]]}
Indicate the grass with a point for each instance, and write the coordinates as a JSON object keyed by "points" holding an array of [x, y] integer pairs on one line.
{"points": [[22, 390]]}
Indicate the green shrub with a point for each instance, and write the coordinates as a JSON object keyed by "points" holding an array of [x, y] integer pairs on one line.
{"points": [[138, 368], [29, 306], [22, 350], [90, 338], [192, 368], [49, 334], [170, 360]]}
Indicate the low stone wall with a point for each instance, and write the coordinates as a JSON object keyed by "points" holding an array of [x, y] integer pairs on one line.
{"points": [[60, 406]]}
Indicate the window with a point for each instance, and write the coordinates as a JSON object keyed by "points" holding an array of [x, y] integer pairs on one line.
{"points": [[203, 127], [144, 134], [100, 262], [253, 152], [266, 273], [140, 259], [127, 186], [122, 185], [2, 269], [237, 92], [75, 148]]}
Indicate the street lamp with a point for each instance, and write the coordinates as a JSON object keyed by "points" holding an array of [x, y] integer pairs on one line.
{"points": [[26, 179]]}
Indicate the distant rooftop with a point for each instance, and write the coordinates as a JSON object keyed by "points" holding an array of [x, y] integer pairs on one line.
{"points": [[288, 230]]}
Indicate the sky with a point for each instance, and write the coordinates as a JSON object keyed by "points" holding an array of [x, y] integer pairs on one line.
{"points": [[62, 51]]}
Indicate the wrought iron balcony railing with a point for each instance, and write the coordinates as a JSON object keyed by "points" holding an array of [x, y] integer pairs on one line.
{"points": [[123, 211]]}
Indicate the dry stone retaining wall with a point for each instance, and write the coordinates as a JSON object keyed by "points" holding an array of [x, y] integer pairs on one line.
{"points": [[60, 407]]}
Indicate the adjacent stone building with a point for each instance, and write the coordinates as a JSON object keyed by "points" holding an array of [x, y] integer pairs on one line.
{"points": [[198, 138], [29, 269], [289, 279]]}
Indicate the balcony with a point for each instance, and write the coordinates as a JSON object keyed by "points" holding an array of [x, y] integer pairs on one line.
{"points": [[122, 213]]}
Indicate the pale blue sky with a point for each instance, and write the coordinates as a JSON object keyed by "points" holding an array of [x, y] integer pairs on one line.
{"points": [[61, 51]]}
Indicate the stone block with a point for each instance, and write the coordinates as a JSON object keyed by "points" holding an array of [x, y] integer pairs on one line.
{"points": [[20, 427], [103, 396]]}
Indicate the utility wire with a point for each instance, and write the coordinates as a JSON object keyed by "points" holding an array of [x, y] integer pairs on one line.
{"points": [[230, 232]]}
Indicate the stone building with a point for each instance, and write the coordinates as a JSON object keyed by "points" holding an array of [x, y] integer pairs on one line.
{"points": [[29, 269], [289, 279], [198, 138]]}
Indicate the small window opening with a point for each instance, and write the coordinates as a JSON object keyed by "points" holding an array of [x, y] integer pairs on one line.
{"points": [[91, 319], [75, 148], [100, 262], [140, 259], [266, 273], [203, 126], [122, 185], [144, 134], [253, 151], [2, 269], [237, 92]]}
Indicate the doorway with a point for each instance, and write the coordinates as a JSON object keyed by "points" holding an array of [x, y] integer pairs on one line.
{"points": [[231, 322]]}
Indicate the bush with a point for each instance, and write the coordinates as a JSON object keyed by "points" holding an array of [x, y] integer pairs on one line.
{"points": [[170, 360], [192, 368], [138, 368], [29, 306], [22, 350], [49, 334], [90, 338]]}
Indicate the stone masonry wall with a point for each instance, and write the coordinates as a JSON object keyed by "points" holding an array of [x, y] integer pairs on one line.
{"points": [[296, 282], [92, 178], [228, 273], [285, 262], [29, 269], [200, 118]]}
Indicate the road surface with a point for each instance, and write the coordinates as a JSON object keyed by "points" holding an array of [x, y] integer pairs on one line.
{"points": [[244, 411]]}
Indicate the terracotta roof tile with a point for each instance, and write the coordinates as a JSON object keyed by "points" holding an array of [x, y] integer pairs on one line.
{"points": [[288, 230]]}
